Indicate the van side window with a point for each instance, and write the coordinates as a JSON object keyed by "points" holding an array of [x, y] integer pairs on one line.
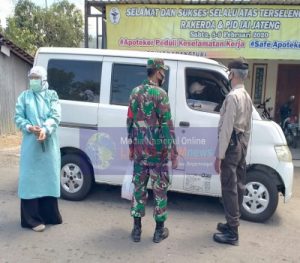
{"points": [[205, 89], [75, 79], [125, 78]]}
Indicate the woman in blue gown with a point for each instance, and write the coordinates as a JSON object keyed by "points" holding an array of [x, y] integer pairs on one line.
{"points": [[37, 116]]}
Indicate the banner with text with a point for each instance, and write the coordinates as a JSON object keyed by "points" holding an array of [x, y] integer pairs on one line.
{"points": [[214, 31]]}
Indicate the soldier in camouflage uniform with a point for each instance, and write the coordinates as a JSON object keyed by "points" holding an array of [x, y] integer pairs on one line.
{"points": [[152, 137]]}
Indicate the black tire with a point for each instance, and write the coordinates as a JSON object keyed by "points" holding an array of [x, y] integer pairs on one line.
{"points": [[258, 179], [84, 176]]}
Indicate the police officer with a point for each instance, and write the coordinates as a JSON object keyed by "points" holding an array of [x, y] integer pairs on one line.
{"points": [[233, 137], [151, 132]]}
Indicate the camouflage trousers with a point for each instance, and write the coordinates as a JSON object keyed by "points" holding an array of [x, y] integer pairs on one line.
{"points": [[160, 182]]}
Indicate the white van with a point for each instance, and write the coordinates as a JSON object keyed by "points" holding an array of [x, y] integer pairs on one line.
{"points": [[94, 87]]}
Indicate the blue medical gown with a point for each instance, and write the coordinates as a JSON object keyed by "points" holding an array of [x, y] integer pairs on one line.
{"points": [[39, 170]]}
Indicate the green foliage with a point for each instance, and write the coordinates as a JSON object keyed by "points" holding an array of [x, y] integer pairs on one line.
{"points": [[22, 37], [32, 27]]}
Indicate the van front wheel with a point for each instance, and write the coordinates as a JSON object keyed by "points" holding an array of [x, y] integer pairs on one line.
{"points": [[260, 197], [75, 177]]}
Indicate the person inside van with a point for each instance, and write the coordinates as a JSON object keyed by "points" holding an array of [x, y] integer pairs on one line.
{"points": [[202, 97], [197, 91], [37, 116], [152, 136]]}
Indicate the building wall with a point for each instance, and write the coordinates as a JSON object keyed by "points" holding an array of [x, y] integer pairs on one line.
{"points": [[13, 80], [271, 78]]}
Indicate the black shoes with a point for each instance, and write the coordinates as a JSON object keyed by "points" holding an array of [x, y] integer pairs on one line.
{"points": [[160, 234], [137, 230], [136, 234], [228, 235], [227, 238], [223, 227]]}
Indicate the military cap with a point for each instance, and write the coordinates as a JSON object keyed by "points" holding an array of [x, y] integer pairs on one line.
{"points": [[156, 63], [238, 64]]}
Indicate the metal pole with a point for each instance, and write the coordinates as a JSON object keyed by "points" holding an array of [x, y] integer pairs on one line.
{"points": [[86, 28], [97, 30], [103, 19]]}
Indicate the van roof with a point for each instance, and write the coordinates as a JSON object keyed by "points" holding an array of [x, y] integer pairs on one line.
{"points": [[125, 53]]}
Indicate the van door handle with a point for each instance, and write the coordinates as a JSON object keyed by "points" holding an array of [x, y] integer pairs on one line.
{"points": [[184, 124]]}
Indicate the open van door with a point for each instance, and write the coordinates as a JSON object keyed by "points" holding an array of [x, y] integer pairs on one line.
{"points": [[200, 93]]}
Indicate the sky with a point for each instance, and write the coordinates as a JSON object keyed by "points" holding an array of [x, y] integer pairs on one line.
{"points": [[7, 7]]}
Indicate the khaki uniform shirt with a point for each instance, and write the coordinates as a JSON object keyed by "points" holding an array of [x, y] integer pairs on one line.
{"points": [[235, 114]]}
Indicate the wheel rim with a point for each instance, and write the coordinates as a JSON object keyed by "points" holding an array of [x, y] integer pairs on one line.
{"points": [[71, 178], [256, 198]]}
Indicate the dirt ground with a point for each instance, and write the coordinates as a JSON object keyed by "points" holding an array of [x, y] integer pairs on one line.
{"points": [[10, 140], [98, 228]]}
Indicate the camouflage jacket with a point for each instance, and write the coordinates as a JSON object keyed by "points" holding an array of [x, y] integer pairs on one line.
{"points": [[150, 128]]}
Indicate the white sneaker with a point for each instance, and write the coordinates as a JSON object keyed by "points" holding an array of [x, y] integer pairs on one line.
{"points": [[39, 228]]}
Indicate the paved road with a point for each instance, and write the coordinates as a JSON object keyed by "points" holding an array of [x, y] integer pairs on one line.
{"points": [[98, 230]]}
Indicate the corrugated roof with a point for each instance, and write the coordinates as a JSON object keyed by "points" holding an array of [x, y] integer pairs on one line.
{"points": [[255, 2], [16, 50]]}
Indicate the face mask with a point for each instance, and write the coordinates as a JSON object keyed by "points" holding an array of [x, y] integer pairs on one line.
{"points": [[35, 85], [230, 80], [162, 80], [229, 84]]}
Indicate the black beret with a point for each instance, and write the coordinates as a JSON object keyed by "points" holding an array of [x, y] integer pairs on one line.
{"points": [[238, 64]]}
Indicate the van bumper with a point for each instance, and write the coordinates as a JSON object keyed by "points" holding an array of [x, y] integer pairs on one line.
{"points": [[286, 171]]}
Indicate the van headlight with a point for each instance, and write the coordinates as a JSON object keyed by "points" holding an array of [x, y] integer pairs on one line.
{"points": [[283, 153]]}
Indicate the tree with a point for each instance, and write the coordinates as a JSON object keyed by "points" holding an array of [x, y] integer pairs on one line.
{"points": [[32, 27], [1, 28], [63, 25]]}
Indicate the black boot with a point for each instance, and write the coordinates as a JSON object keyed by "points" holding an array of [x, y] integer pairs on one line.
{"points": [[223, 227], [231, 236], [137, 230], [160, 233]]}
